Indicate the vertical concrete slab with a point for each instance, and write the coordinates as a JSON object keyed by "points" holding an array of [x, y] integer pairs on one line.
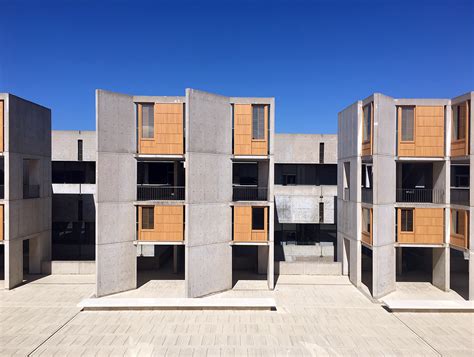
{"points": [[13, 263], [208, 265], [355, 262], [383, 274], [441, 268], [116, 175]]}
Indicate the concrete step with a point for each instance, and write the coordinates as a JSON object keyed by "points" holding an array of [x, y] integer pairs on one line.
{"points": [[308, 268], [107, 304], [398, 305]]}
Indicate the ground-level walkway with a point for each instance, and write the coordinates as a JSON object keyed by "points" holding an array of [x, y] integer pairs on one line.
{"points": [[316, 315]]}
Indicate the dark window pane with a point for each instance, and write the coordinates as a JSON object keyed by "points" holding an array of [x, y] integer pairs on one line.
{"points": [[321, 212], [79, 150], [258, 122], [407, 220], [258, 217], [148, 219], [367, 122], [148, 121], [321, 153]]}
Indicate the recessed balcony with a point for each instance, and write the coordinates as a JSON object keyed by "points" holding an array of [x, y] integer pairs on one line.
{"points": [[160, 181], [250, 181], [420, 183]]}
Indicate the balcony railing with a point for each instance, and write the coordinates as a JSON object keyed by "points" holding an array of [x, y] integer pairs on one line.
{"points": [[159, 193], [31, 191], [420, 195], [249, 193], [460, 196], [367, 195]]}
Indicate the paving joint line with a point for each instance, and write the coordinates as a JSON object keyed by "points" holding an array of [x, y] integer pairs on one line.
{"points": [[54, 333], [421, 338]]}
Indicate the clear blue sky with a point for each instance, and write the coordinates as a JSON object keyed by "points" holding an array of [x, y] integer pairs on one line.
{"points": [[315, 57]]}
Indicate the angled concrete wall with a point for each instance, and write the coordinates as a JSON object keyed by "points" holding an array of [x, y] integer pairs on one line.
{"points": [[27, 135], [116, 174], [208, 266]]}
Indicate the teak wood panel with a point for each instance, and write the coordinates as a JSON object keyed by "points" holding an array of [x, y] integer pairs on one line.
{"points": [[367, 237], [461, 147], [428, 133], [243, 231], [244, 144], [168, 138], [2, 115], [2, 224], [368, 145], [168, 225], [428, 227], [461, 240]]}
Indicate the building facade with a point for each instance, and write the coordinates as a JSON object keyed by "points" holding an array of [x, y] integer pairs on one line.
{"points": [[305, 202], [191, 174], [73, 207], [404, 199], [25, 201]]}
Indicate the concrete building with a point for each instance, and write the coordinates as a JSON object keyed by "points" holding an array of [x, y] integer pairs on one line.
{"points": [[305, 200], [190, 176], [73, 208], [25, 197], [405, 167]]}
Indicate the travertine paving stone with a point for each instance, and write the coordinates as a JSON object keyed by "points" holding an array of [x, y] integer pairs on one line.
{"points": [[316, 316]]}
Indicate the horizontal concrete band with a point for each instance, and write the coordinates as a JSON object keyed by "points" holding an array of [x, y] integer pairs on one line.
{"points": [[108, 304], [429, 305]]}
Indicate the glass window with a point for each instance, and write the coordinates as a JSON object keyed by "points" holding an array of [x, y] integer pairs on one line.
{"points": [[367, 122], [407, 220], [366, 220], [148, 217], [321, 212], [148, 121], [459, 123], [258, 122], [258, 218], [289, 179], [457, 222], [321, 153], [79, 150], [408, 123]]}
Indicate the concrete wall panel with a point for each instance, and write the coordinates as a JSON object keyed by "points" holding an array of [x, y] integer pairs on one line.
{"points": [[65, 147], [116, 173], [304, 148]]}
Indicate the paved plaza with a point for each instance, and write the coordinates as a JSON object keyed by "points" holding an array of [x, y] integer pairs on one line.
{"points": [[315, 316]]}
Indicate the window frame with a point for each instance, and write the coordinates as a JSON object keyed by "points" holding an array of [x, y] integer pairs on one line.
{"points": [[365, 209], [152, 208], [457, 123], [457, 223], [263, 219], [141, 106], [368, 139], [400, 119], [264, 136], [402, 228]]}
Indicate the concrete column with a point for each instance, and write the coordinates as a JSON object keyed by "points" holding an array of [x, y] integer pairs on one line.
{"points": [[39, 252], [262, 259], [175, 259], [355, 262], [441, 268], [383, 270], [271, 266], [343, 254], [13, 263]]}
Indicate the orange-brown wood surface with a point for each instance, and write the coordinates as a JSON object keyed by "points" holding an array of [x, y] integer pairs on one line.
{"points": [[428, 136], [168, 130], [367, 145], [2, 111], [428, 227], [461, 240], [244, 144], [461, 147], [2, 224], [367, 237], [243, 231], [168, 225]]}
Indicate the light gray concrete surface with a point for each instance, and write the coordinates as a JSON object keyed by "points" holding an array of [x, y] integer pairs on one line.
{"points": [[208, 255], [27, 136], [316, 315], [304, 148], [116, 175], [65, 145]]}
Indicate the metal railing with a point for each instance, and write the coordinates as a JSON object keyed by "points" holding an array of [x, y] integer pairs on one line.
{"points": [[249, 193], [367, 195], [420, 195], [159, 192], [31, 191], [460, 196]]}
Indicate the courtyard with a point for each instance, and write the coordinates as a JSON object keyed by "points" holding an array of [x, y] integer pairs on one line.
{"points": [[316, 315]]}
